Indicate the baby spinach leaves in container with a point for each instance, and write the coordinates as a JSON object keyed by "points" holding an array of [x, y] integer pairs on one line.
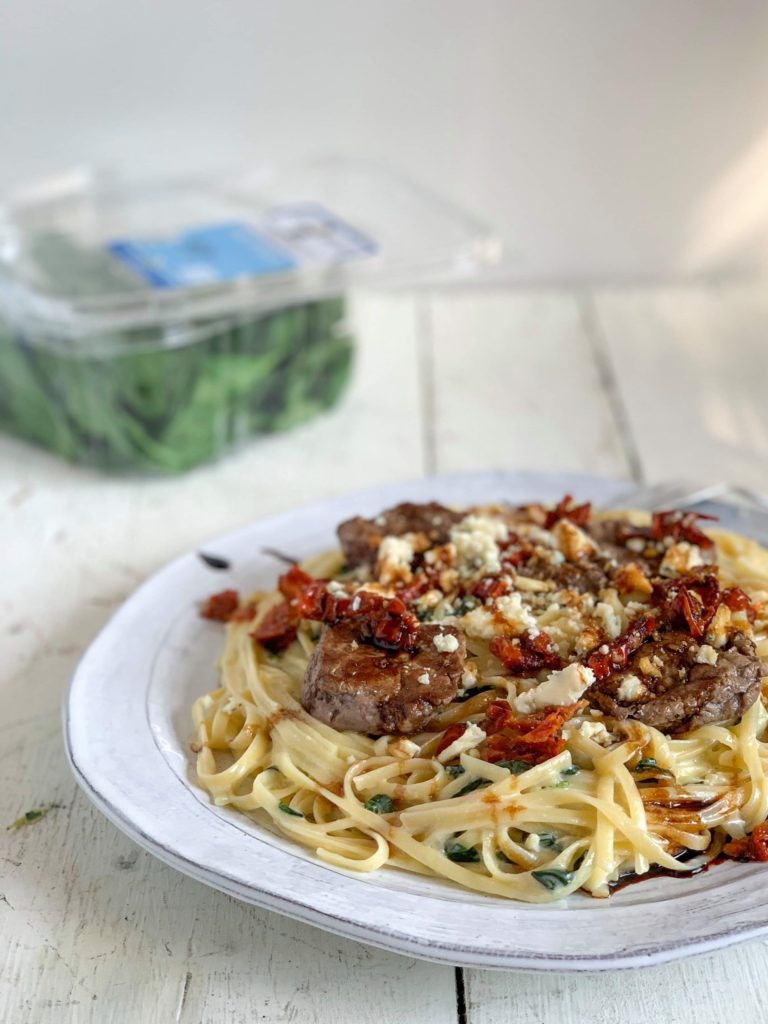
{"points": [[152, 328]]}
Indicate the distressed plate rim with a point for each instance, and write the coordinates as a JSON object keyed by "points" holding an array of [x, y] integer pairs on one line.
{"points": [[113, 750]]}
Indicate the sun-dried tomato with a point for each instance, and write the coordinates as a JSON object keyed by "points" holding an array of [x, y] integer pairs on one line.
{"points": [[529, 653], [294, 582], [565, 509], [245, 612], [603, 663], [514, 557], [450, 736], [753, 847], [680, 526], [490, 586], [512, 539], [689, 601], [533, 738], [277, 630], [221, 607], [738, 601], [418, 586], [385, 621]]}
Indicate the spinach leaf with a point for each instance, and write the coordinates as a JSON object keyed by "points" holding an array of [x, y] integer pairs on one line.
{"points": [[516, 767], [461, 854], [289, 810], [548, 840], [472, 786], [553, 878], [466, 604], [380, 804]]}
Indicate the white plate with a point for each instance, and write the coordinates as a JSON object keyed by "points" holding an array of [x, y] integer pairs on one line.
{"points": [[127, 730]]}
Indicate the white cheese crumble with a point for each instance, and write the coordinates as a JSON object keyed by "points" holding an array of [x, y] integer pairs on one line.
{"points": [[476, 541], [636, 544], [469, 677], [609, 618], [446, 643], [717, 632], [424, 678], [562, 687], [513, 611], [532, 842], [336, 588], [479, 622], [597, 732], [706, 655], [538, 535], [399, 747], [472, 736], [431, 599], [680, 559], [631, 688], [572, 541], [394, 559]]}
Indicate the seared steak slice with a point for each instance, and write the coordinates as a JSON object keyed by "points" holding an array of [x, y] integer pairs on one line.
{"points": [[350, 684], [609, 534], [360, 538], [584, 576], [665, 686]]}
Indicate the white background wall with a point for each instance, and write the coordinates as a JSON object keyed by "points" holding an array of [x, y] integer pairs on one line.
{"points": [[607, 138]]}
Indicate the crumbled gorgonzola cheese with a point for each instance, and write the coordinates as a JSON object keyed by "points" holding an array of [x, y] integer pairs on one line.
{"points": [[480, 623], [446, 643], [424, 678], [609, 618], [394, 559], [680, 559], [476, 541], [537, 534], [717, 632], [532, 842], [631, 688], [562, 687], [513, 611], [597, 732], [472, 736], [706, 655]]}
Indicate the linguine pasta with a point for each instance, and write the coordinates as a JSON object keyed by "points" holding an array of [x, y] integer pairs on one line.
{"points": [[621, 798]]}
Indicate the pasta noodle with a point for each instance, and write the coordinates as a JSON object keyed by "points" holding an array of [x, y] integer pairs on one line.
{"points": [[621, 798]]}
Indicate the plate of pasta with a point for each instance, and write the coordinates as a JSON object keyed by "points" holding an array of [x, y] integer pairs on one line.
{"points": [[457, 718]]}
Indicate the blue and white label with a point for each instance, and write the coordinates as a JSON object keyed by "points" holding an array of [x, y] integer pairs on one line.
{"points": [[286, 238]]}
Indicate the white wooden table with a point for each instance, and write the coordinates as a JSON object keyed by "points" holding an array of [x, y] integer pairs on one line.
{"points": [[644, 383]]}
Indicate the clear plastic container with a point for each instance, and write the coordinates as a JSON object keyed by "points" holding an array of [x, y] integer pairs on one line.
{"points": [[153, 327]]}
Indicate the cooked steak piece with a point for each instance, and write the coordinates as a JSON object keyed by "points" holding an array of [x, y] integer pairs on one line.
{"points": [[584, 576], [668, 685], [610, 536], [360, 538], [350, 684]]}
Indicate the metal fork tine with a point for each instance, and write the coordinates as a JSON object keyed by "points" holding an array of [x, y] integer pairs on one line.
{"points": [[668, 495]]}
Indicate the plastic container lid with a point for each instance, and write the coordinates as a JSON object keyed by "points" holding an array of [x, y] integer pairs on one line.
{"points": [[86, 254]]}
